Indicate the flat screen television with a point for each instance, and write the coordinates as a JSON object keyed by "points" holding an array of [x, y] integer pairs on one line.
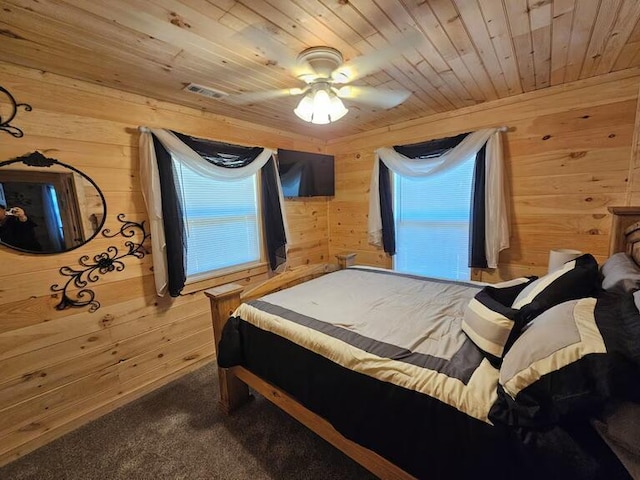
{"points": [[304, 174]]}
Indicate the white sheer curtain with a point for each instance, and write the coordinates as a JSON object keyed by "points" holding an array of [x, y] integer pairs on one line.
{"points": [[496, 221], [497, 217], [150, 182]]}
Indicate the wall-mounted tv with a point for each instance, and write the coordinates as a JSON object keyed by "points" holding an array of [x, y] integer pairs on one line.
{"points": [[304, 174]]}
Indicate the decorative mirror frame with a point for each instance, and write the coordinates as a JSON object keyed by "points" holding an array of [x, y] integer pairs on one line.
{"points": [[5, 125], [37, 159]]}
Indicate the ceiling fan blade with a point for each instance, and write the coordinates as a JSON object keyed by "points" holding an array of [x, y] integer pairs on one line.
{"points": [[372, 62], [378, 97], [275, 52], [253, 97]]}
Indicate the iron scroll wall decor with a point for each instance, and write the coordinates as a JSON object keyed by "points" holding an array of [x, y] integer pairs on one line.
{"points": [[90, 270], [6, 124]]}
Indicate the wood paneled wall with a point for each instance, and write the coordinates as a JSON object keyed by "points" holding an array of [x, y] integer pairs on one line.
{"points": [[568, 156], [59, 369], [570, 152]]}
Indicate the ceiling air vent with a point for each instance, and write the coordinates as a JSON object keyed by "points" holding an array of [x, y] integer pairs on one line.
{"points": [[205, 91]]}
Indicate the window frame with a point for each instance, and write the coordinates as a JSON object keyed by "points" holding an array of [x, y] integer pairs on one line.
{"points": [[205, 279], [473, 272]]}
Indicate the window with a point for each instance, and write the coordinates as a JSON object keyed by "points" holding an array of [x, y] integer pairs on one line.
{"points": [[222, 224], [432, 223], [53, 218]]}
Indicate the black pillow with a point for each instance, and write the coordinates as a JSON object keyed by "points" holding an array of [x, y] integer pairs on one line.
{"points": [[578, 278], [571, 360]]}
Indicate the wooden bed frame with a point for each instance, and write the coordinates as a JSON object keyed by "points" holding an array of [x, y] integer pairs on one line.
{"points": [[235, 382]]}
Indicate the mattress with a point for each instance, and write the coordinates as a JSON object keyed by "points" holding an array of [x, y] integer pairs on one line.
{"points": [[400, 329]]}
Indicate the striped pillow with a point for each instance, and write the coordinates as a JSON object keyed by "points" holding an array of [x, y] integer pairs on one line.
{"points": [[578, 278], [489, 319], [570, 360], [558, 337]]}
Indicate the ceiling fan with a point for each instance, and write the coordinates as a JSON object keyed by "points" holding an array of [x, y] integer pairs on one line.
{"points": [[328, 78]]}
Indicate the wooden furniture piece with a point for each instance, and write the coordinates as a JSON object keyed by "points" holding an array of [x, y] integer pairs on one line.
{"points": [[622, 219], [346, 259], [234, 382], [625, 231]]}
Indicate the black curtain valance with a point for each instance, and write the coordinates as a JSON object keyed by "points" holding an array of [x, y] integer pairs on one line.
{"points": [[431, 148], [221, 154]]}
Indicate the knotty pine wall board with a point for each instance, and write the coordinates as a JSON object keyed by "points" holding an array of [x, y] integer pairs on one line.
{"points": [[59, 369], [567, 158]]}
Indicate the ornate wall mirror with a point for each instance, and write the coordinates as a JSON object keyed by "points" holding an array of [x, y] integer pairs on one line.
{"points": [[50, 207]]}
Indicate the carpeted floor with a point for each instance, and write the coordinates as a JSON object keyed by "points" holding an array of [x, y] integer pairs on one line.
{"points": [[178, 432]]}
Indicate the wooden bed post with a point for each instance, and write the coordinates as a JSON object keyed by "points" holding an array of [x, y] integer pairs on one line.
{"points": [[224, 300], [622, 218], [346, 260]]}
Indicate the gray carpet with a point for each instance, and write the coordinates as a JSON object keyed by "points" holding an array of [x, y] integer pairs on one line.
{"points": [[179, 432]]}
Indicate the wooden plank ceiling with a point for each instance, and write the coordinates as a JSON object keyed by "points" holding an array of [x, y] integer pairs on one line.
{"points": [[470, 51]]}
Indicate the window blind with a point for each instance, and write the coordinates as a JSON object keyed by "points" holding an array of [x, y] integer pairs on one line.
{"points": [[221, 221], [432, 223]]}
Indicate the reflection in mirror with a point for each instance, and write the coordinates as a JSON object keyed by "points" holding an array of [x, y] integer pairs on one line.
{"points": [[49, 207]]}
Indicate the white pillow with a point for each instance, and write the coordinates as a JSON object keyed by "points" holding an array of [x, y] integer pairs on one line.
{"points": [[620, 273]]}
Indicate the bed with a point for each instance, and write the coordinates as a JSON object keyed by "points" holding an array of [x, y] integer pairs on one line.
{"points": [[400, 373]]}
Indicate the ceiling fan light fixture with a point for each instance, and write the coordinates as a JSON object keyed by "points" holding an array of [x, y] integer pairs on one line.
{"points": [[305, 108], [320, 106], [337, 110]]}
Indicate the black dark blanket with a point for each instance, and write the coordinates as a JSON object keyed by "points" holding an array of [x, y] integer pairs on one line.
{"points": [[420, 434]]}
